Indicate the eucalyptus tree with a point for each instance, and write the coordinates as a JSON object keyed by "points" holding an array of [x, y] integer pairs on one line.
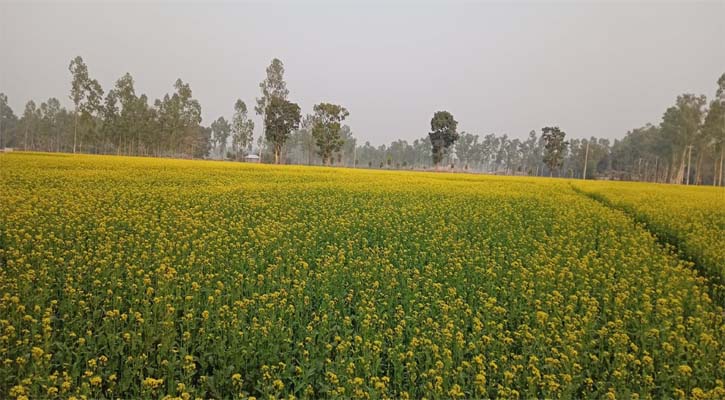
{"points": [[348, 152], [86, 94], [133, 118], [513, 156], [273, 86], [8, 122], [555, 147], [179, 116], [501, 152], [281, 118], [443, 134], [367, 155], [29, 122], [467, 148], [111, 129], [242, 130], [532, 153], [401, 153], [327, 121], [423, 150], [301, 145], [681, 125], [220, 131], [488, 150], [714, 131]]}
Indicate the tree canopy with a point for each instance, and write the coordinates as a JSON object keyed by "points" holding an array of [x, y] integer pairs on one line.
{"points": [[442, 135], [281, 117], [326, 129], [555, 147]]}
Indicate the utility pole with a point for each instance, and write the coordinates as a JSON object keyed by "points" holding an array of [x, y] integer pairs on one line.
{"points": [[689, 159], [722, 144], [75, 128], [586, 158], [354, 155], [2, 102]]}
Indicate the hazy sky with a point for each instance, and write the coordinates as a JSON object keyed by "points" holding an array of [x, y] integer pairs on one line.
{"points": [[593, 69]]}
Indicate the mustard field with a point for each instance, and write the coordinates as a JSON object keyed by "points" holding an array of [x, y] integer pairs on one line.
{"points": [[692, 218], [150, 278]]}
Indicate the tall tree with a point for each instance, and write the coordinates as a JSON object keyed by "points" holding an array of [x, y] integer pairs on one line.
{"points": [[29, 122], [307, 139], [8, 121], [554, 146], [466, 148], [220, 130], [133, 116], [112, 130], [179, 116], [443, 134], [326, 129], [50, 122], [242, 129], [273, 86], [714, 130], [532, 154], [79, 71], [281, 117], [86, 94], [681, 125], [349, 146], [202, 142], [148, 124]]}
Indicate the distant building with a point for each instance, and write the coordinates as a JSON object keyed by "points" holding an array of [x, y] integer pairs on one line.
{"points": [[251, 158]]}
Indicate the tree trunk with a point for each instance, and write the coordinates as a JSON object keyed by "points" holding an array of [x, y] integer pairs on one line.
{"points": [[698, 165], [657, 169], [689, 161], [714, 170], [680, 171], [75, 130], [586, 159], [722, 154]]}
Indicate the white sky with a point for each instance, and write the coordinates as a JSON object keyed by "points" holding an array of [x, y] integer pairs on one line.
{"points": [[593, 69]]}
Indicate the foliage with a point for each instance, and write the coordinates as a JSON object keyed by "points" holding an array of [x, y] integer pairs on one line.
{"points": [[273, 86], [443, 134], [242, 128], [221, 129], [87, 96], [179, 118], [681, 126], [326, 129], [554, 146], [8, 121], [281, 118]]}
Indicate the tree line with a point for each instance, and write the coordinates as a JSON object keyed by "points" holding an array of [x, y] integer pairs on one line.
{"points": [[686, 146]]}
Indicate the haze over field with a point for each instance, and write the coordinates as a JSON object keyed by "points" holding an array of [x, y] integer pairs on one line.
{"points": [[594, 69]]}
